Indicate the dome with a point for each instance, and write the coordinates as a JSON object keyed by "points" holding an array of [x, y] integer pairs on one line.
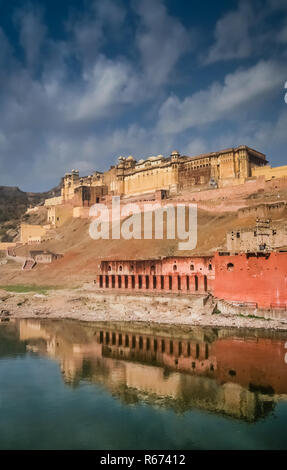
{"points": [[175, 152], [130, 158]]}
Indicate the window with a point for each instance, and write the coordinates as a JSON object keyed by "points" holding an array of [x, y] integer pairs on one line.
{"points": [[230, 267], [175, 267], [238, 235], [192, 267]]}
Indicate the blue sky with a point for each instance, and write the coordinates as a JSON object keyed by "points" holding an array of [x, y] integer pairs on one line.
{"points": [[83, 82]]}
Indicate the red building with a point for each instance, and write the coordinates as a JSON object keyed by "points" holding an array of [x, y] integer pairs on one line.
{"points": [[186, 274], [253, 279], [259, 278]]}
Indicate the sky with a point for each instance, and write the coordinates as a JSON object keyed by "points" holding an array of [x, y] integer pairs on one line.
{"points": [[84, 82]]}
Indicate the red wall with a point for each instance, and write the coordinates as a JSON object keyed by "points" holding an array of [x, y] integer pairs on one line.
{"points": [[260, 362], [253, 279], [260, 279]]}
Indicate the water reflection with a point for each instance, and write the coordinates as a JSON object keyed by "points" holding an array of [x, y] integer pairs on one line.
{"points": [[241, 374]]}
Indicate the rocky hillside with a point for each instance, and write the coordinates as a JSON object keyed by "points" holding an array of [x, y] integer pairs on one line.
{"points": [[14, 203]]}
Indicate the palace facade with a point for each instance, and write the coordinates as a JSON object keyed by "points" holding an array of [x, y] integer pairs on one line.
{"points": [[172, 174]]}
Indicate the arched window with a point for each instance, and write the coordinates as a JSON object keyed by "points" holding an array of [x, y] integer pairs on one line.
{"points": [[175, 267], [109, 268], [192, 267], [120, 268], [210, 267], [230, 267]]}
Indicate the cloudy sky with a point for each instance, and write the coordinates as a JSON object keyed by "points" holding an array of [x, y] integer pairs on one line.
{"points": [[83, 82]]}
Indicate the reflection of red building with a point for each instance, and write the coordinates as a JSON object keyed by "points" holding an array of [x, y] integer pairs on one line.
{"points": [[255, 363], [220, 371], [256, 279]]}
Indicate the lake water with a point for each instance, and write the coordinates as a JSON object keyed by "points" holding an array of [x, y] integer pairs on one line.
{"points": [[73, 385]]}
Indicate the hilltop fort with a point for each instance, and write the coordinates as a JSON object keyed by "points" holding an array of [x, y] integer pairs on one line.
{"points": [[242, 232]]}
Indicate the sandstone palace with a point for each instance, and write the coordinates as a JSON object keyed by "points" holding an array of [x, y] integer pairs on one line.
{"points": [[172, 174]]}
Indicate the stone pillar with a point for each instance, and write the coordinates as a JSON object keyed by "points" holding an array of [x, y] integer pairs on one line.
{"points": [[174, 282], [143, 282], [201, 283], [116, 282], [151, 282], [175, 349], [183, 283], [193, 350], [129, 282], [184, 349], [166, 283], [136, 281]]}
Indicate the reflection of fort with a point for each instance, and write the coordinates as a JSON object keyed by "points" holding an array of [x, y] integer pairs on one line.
{"points": [[204, 368]]}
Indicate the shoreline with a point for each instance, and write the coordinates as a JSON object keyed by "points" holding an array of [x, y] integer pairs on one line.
{"points": [[87, 304]]}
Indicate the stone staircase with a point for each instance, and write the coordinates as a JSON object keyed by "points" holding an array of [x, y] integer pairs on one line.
{"points": [[29, 264]]}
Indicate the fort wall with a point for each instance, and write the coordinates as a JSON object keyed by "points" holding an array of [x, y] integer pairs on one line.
{"points": [[269, 173], [260, 279]]}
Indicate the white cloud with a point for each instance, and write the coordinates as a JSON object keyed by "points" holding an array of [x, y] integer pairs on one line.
{"points": [[89, 30], [161, 40], [196, 146], [107, 85], [246, 31], [232, 35], [219, 101]]}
